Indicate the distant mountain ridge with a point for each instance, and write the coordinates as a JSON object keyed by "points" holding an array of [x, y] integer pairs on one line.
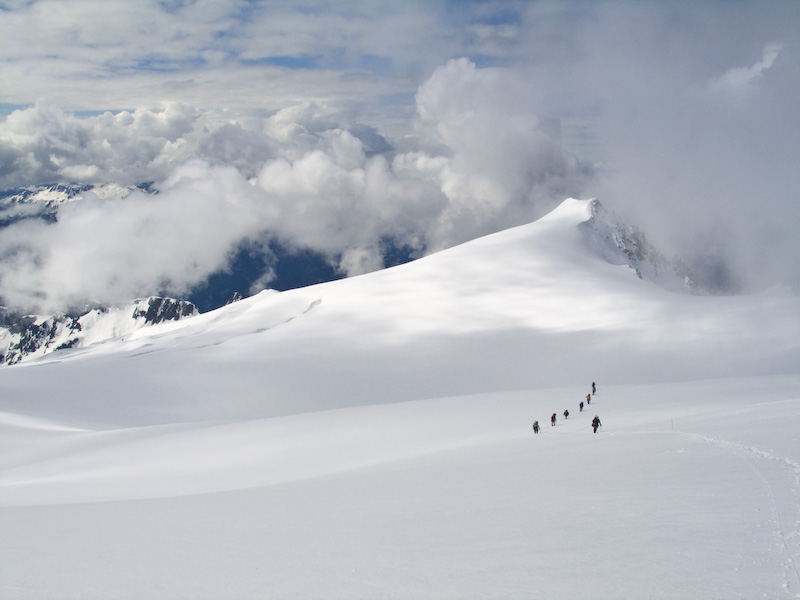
{"points": [[26, 337], [43, 201]]}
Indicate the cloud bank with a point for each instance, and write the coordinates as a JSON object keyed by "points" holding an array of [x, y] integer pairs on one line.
{"points": [[306, 178], [341, 128]]}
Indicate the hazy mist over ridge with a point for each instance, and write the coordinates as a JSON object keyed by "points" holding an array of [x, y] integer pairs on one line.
{"points": [[337, 129]]}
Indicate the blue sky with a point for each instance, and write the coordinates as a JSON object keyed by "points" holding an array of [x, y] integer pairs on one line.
{"points": [[425, 122]]}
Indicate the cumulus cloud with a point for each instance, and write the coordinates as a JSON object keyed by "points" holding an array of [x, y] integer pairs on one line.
{"points": [[504, 169], [47, 145], [482, 164], [362, 125], [304, 178], [115, 249]]}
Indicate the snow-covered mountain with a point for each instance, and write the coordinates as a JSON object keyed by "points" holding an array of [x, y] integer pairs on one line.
{"points": [[287, 266], [371, 438], [31, 336], [44, 200]]}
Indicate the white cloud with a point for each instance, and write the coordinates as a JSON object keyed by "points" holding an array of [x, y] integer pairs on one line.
{"points": [[707, 174], [115, 249], [382, 133], [48, 145], [302, 176], [114, 54], [740, 80], [504, 169]]}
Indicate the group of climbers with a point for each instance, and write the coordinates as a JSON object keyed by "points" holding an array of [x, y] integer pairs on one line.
{"points": [[553, 418]]}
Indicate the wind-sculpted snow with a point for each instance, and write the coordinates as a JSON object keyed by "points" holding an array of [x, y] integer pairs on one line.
{"points": [[371, 438], [210, 457]]}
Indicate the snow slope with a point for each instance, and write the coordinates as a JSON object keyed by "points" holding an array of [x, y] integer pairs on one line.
{"points": [[370, 438]]}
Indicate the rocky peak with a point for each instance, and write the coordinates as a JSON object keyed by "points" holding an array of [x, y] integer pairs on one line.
{"points": [[25, 337], [620, 243]]}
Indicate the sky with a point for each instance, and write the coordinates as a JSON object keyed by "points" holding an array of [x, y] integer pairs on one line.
{"points": [[339, 127]]}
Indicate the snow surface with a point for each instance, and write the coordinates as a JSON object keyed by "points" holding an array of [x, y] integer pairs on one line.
{"points": [[371, 438]]}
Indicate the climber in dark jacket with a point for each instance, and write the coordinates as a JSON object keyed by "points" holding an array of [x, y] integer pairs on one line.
{"points": [[596, 423]]}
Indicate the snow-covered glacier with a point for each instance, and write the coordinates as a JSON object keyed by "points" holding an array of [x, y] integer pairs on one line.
{"points": [[371, 438]]}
